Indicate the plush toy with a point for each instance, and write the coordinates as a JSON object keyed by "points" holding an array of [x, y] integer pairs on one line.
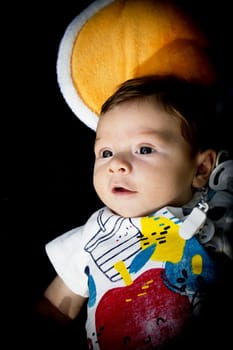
{"points": [[111, 41]]}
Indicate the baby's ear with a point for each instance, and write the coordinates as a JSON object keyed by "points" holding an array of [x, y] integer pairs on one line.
{"points": [[205, 164]]}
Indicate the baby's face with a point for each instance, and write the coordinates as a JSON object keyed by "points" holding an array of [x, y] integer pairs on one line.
{"points": [[142, 161]]}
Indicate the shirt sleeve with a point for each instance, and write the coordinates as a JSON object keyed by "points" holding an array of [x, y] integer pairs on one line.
{"points": [[69, 260]]}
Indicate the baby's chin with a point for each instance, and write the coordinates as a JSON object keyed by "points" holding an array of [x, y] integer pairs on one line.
{"points": [[127, 213]]}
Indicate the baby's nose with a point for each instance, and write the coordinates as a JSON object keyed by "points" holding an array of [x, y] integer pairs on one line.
{"points": [[119, 164]]}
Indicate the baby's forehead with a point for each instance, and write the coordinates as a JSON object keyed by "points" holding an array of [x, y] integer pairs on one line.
{"points": [[138, 119]]}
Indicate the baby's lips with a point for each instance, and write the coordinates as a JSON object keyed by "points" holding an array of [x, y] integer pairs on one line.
{"points": [[121, 189]]}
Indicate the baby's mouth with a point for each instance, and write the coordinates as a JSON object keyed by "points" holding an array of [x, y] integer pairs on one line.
{"points": [[119, 189]]}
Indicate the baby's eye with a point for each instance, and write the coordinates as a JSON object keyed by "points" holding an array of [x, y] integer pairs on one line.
{"points": [[145, 150], [106, 154]]}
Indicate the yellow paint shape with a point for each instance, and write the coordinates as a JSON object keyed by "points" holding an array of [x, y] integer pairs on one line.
{"points": [[197, 264], [121, 268], [153, 233]]}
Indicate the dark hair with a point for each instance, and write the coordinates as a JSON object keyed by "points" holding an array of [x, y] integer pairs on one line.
{"points": [[194, 103]]}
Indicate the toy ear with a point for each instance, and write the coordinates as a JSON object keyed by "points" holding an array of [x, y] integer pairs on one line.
{"points": [[114, 40]]}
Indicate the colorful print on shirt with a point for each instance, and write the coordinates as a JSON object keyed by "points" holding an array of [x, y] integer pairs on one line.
{"points": [[154, 280]]}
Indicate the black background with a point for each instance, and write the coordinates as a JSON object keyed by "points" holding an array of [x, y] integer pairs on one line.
{"points": [[47, 153]]}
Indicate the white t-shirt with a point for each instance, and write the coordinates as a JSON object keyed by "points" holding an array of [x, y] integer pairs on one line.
{"points": [[141, 278]]}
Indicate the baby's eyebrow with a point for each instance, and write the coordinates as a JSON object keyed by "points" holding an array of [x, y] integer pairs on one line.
{"points": [[97, 139], [163, 135]]}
